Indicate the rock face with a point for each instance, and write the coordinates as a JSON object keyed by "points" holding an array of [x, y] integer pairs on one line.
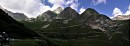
{"points": [[17, 16], [47, 16], [97, 21], [13, 28], [87, 14], [121, 17], [68, 13]]}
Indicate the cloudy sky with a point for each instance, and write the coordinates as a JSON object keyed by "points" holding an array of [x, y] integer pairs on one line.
{"points": [[33, 8]]}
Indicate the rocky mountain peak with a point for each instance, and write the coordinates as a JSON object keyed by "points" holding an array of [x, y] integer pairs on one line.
{"points": [[90, 11], [48, 12], [68, 13]]}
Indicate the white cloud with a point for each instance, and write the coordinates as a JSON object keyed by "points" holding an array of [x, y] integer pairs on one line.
{"points": [[95, 2], [64, 3], [116, 12], [129, 7], [128, 11], [81, 10], [56, 1], [56, 4], [74, 6], [31, 8], [69, 2]]}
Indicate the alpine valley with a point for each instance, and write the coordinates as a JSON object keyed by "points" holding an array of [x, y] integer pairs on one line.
{"points": [[66, 27]]}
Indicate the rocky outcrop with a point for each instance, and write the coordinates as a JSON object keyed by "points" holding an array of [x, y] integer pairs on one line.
{"points": [[47, 16], [17, 16]]}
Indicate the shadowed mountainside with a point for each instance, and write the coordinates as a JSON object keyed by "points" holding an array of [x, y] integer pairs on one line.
{"points": [[14, 28]]}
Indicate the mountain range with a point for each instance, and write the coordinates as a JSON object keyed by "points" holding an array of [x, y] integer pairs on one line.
{"points": [[69, 21], [67, 24]]}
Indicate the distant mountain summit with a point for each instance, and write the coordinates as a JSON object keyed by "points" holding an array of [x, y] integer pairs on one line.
{"points": [[68, 13], [91, 14], [88, 13], [121, 17], [17, 16], [58, 10]]}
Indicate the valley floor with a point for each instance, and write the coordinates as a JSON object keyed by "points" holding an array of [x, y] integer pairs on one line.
{"points": [[61, 42]]}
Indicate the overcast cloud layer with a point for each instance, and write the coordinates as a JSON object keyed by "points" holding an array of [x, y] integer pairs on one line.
{"points": [[29, 7]]}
